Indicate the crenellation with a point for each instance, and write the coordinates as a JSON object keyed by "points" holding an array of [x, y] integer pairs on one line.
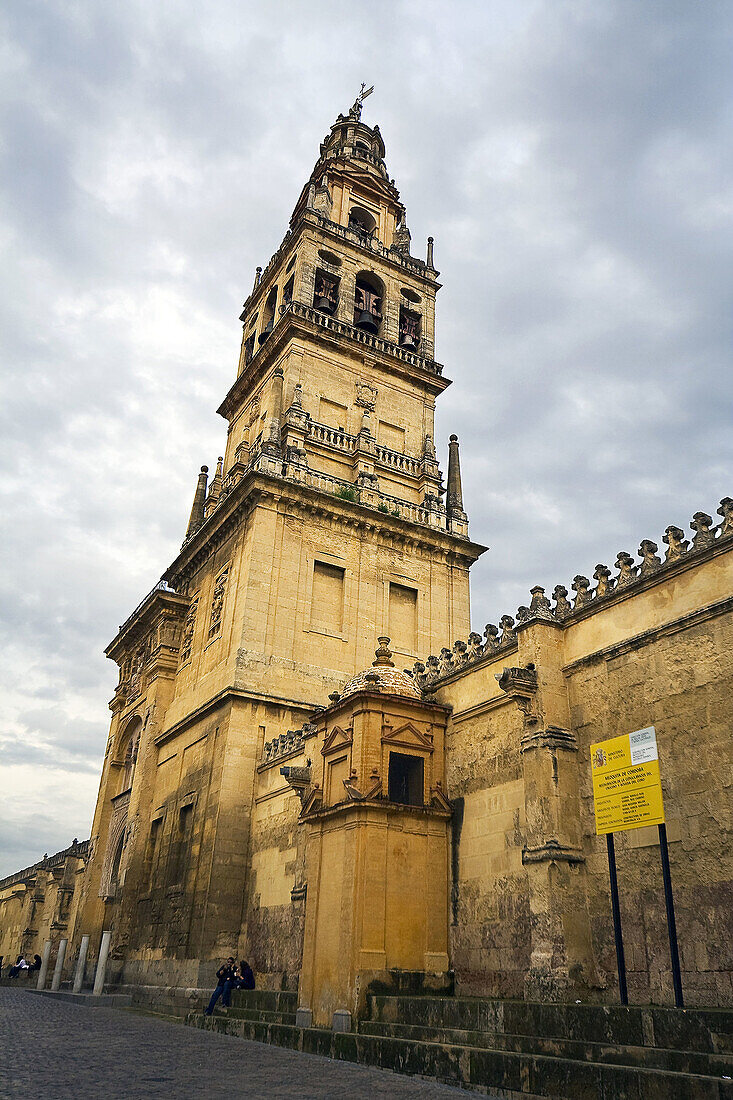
{"points": [[676, 543]]}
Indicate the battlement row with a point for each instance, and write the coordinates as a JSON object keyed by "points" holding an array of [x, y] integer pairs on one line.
{"points": [[504, 636]]}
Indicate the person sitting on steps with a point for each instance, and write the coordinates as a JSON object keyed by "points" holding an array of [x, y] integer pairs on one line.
{"points": [[225, 978], [245, 976]]}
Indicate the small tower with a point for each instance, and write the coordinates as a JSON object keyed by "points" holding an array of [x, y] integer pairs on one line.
{"points": [[377, 847]]}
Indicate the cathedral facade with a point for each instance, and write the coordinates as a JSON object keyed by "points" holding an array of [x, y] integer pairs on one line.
{"points": [[286, 780]]}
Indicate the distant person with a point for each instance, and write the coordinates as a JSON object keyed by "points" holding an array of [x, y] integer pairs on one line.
{"points": [[20, 964], [225, 978], [36, 964], [245, 976]]}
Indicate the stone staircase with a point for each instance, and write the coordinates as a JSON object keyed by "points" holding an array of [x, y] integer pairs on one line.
{"points": [[513, 1049]]}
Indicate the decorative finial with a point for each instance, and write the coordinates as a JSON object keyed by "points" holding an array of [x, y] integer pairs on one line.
{"points": [[383, 654], [258, 276], [431, 265]]}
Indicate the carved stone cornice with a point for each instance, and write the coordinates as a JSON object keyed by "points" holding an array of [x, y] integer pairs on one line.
{"points": [[551, 851], [552, 737], [257, 487]]}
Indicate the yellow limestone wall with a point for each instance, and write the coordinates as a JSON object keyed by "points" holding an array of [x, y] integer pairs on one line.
{"points": [[530, 920]]}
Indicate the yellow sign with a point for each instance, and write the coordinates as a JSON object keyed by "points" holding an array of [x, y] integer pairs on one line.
{"points": [[627, 786]]}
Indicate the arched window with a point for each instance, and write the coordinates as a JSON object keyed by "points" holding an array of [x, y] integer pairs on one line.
{"points": [[368, 296]]}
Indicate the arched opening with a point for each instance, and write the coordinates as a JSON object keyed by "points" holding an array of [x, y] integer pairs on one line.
{"points": [[268, 315], [114, 875], [325, 291], [410, 328], [362, 221], [368, 295], [128, 753]]}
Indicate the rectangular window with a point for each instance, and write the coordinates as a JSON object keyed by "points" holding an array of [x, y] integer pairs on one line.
{"points": [[327, 601], [333, 414], [402, 627], [392, 436], [406, 779]]}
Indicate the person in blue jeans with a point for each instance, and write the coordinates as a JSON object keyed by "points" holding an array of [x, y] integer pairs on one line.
{"points": [[225, 978]]}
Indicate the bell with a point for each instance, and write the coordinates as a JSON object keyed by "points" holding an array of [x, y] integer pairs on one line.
{"points": [[407, 340], [366, 320], [325, 305]]}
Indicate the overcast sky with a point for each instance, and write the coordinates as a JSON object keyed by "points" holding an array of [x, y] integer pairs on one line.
{"points": [[572, 161]]}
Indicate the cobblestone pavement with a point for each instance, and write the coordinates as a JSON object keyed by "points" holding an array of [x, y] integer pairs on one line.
{"points": [[64, 1051]]}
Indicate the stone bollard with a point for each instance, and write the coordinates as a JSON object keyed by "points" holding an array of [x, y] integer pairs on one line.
{"points": [[43, 972], [58, 970], [102, 964], [341, 1020], [303, 1017], [80, 964]]}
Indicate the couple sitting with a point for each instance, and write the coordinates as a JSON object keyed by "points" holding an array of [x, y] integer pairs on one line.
{"points": [[229, 977]]}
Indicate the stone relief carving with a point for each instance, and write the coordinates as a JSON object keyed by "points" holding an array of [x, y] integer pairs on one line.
{"points": [[366, 395], [217, 602], [188, 628]]}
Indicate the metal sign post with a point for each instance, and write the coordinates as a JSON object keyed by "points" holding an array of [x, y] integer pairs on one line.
{"points": [[627, 794], [671, 922], [616, 910]]}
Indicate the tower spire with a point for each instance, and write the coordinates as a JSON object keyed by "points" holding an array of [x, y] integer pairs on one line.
{"points": [[199, 499]]}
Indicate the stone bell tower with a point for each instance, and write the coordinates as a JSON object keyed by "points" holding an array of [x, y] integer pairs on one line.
{"points": [[323, 527]]}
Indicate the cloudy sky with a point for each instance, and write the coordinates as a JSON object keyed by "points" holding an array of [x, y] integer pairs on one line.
{"points": [[573, 162]]}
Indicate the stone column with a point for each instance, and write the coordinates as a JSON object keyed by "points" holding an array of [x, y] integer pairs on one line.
{"points": [[80, 964], [102, 964], [42, 973], [58, 970]]}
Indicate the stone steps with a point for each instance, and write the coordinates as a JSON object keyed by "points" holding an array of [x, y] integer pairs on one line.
{"points": [[258, 1015], [265, 1000], [645, 1057], [531, 1076], [707, 1030]]}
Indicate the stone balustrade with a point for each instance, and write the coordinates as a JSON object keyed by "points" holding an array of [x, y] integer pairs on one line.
{"points": [[351, 332], [395, 460]]}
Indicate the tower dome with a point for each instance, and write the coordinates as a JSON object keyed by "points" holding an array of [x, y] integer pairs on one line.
{"points": [[383, 677]]}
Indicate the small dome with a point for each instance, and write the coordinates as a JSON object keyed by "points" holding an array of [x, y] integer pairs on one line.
{"points": [[383, 676]]}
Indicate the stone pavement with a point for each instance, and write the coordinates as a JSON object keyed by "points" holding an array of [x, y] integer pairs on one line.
{"points": [[64, 1051]]}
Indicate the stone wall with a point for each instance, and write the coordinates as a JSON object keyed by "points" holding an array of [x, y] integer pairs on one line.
{"points": [[531, 908]]}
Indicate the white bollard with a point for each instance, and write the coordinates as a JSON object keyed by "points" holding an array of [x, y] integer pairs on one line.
{"points": [[102, 964], [80, 964], [59, 966], [42, 973]]}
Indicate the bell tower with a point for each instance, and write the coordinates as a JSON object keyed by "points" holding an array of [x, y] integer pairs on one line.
{"points": [[333, 410], [325, 525]]}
